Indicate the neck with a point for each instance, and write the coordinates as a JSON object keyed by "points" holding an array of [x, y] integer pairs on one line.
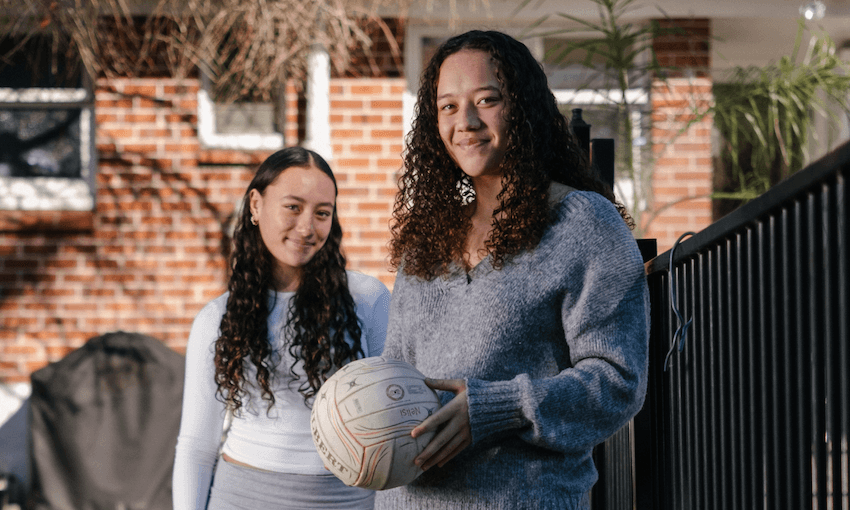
{"points": [[487, 191], [287, 280]]}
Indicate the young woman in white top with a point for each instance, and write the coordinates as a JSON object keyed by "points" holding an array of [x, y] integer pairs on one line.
{"points": [[292, 316]]}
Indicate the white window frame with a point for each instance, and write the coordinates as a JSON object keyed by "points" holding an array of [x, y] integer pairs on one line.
{"points": [[53, 193], [623, 187], [209, 136]]}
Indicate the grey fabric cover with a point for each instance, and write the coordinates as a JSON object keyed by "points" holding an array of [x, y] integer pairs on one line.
{"points": [[104, 424]]}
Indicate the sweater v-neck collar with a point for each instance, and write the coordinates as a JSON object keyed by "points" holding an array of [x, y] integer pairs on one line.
{"points": [[458, 275]]}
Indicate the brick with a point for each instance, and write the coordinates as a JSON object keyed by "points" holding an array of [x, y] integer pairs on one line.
{"points": [[138, 118], [20, 264], [80, 278], [346, 133], [140, 90], [338, 104], [105, 118], [386, 104], [366, 119], [113, 103], [140, 148], [387, 133], [375, 206], [183, 147], [60, 264], [366, 89], [367, 148], [351, 163], [13, 350]]}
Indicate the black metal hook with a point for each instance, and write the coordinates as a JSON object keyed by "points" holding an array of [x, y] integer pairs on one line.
{"points": [[682, 327]]}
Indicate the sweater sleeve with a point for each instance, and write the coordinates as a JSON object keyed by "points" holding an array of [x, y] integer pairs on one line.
{"points": [[605, 320], [202, 416]]}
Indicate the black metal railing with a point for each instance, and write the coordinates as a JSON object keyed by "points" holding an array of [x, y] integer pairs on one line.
{"points": [[754, 411]]}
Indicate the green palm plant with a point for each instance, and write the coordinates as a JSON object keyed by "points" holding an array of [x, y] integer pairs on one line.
{"points": [[765, 116], [622, 57]]}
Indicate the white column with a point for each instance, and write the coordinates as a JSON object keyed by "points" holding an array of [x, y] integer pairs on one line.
{"points": [[318, 135]]}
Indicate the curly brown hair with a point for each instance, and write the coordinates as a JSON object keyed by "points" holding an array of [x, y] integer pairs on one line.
{"points": [[320, 313], [433, 190]]}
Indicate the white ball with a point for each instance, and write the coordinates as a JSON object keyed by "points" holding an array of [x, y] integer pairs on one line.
{"points": [[362, 418]]}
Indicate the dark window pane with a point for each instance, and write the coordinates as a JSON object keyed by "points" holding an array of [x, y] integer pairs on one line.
{"points": [[35, 64], [40, 143]]}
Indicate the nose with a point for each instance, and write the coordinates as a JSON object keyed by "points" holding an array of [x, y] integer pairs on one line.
{"points": [[305, 225], [470, 118]]}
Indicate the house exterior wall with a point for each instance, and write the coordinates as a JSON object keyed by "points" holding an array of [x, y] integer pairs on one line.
{"points": [[681, 181], [153, 251], [366, 133]]}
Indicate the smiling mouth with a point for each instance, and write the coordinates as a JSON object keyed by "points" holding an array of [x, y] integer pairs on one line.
{"points": [[301, 244], [471, 142]]}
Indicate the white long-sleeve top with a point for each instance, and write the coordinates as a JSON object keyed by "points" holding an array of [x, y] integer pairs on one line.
{"points": [[278, 440]]}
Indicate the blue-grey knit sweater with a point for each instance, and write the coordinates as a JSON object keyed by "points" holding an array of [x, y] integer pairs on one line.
{"points": [[553, 348]]}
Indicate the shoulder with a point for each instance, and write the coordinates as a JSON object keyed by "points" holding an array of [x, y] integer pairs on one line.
{"points": [[577, 207], [558, 191], [205, 328], [366, 290], [586, 223], [214, 309]]}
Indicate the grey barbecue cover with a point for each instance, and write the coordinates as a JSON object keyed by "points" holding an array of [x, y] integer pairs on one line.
{"points": [[103, 425]]}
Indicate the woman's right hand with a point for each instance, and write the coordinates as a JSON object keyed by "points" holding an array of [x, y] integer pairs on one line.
{"points": [[451, 424]]}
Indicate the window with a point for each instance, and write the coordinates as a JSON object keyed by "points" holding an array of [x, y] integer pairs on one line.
{"points": [[585, 82], [47, 157], [247, 125]]}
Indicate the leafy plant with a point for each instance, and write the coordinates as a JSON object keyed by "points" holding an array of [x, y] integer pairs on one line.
{"points": [[765, 115], [626, 54]]}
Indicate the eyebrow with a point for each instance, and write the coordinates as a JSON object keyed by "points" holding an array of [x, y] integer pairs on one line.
{"points": [[486, 88], [301, 200]]}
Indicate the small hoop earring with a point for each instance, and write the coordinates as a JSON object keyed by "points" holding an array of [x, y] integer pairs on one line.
{"points": [[254, 220]]}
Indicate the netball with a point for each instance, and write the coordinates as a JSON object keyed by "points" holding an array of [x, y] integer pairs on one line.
{"points": [[362, 418]]}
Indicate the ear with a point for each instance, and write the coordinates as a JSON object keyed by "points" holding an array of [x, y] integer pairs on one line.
{"points": [[255, 202]]}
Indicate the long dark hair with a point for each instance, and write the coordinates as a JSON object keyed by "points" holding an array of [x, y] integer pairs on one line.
{"points": [[540, 149], [320, 313]]}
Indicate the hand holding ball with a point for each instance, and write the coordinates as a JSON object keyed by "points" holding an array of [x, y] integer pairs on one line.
{"points": [[362, 418]]}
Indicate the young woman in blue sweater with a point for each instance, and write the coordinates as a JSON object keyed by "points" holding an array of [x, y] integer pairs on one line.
{"points": [[520, 289]]}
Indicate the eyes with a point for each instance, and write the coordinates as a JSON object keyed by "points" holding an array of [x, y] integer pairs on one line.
{"points": [[450, 105], [297, 208]]}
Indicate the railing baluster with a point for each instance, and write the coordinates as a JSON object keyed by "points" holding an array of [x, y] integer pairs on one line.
{"points": [[842, 305], [815, 359]]}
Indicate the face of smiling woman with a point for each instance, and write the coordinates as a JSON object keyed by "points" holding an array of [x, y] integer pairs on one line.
{"points": [[294, 216], [471, 113]]}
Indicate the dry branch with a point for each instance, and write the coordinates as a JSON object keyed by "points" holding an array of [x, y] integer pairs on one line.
{"points": [[246, 47]]}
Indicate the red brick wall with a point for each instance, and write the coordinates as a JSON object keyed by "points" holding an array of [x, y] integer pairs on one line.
{"points": [[366, 131], [152, 253], [682, 174], [685, 47]]}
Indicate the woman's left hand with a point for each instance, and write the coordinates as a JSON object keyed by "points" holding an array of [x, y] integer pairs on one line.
{"points": [[451, 423]]}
